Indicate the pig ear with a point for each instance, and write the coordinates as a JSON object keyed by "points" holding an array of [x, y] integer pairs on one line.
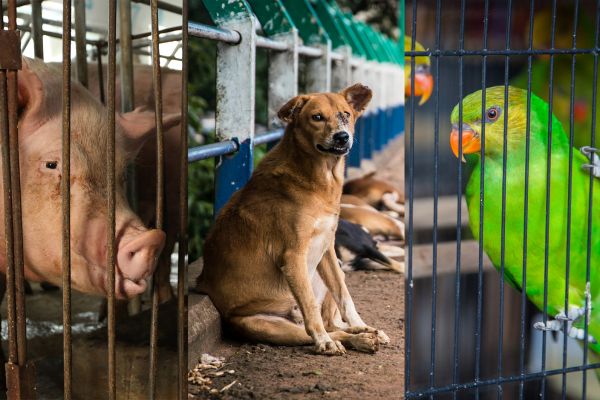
{"points": [[358, 96], [139, 125], [291, 109], [30, 91]]}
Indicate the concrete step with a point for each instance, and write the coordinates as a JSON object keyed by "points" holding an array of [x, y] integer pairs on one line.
{"points": [[204, 322]]}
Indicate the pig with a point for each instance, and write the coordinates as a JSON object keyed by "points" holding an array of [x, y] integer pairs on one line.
{"points": [[40, 127], [145, 163]]}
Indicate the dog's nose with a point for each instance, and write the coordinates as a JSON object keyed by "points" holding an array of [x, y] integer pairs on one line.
{"points": [[341, 138]]}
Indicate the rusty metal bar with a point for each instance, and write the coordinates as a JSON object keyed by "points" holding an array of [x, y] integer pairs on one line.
{"points": [[110, 156], [156, 80], [19, 3], [36, 28], [100, 73], [126, 67], [65, 189], [80, 44], [182, 314], [160, 32], [165, 39], [16, 198], [161, 5], [8, 227], [20, 376]]}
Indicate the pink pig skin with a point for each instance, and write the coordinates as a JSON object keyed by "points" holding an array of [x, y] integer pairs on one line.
{"points": [[40, 129], [145, 163]]}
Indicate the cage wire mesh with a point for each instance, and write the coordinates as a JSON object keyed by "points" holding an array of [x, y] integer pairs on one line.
{"points": [[56, 32], [533, 185]]}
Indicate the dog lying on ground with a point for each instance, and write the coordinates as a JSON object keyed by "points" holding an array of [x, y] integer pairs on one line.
{"points": [[269, 261], [357, 250], [376, 192], [376, 222]]}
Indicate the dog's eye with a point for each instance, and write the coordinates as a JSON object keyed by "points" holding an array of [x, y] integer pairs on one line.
{"points": [[317, 117], [347, 114], [51, 164]]}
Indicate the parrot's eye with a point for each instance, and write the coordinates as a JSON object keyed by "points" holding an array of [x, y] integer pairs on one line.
{"points": [[493, 114]]}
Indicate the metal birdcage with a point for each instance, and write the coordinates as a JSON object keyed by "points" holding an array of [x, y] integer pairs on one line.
{"points": [[484, 342]]}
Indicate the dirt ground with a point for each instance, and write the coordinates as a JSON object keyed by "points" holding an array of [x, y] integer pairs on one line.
{"points": [[275, 372]]}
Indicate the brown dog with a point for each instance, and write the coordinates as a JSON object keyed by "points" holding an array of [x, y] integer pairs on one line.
{"points": [[271, 250], [376, 192], [376, 222]]}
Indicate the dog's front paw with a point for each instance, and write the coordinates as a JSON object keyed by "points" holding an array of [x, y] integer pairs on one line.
{"points": [[330, 347], [367, 342], [383, 338]]}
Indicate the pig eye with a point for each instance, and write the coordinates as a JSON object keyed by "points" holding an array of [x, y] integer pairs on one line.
{"points": [[51, 164], [317, 117]]}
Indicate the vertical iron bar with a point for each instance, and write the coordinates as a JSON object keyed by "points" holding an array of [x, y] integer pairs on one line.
{"points": [[66, 198], [569, 201], [503, 221], [17, 223], [411, 172], [182, 318], [590, 204], [461, 44], [126, 66], [524, 300], [80, 45], [110, 156], [8, 212], [99, 46], [159, 190], [36, 29], [478, 326], [436, 160], [548, 185]]}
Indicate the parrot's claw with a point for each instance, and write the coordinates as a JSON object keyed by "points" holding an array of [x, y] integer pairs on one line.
{"points": [[578, 333], [575, 313], [594, 166]]}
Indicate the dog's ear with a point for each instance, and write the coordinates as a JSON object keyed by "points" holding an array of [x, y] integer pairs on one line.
{"points": [[290, 110], [358, 96]]}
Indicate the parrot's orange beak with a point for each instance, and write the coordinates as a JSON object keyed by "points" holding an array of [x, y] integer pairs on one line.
{"points": [[423, 85], [471, 143]]}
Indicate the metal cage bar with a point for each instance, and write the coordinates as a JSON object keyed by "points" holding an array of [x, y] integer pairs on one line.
{"points": [[111, 187], [66, 196]]}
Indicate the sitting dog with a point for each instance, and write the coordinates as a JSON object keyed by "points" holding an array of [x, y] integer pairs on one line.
{"points": [[271, 251]]}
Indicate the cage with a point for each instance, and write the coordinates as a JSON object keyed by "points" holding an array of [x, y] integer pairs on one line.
{"points": [[56, 346], [482, 292]]}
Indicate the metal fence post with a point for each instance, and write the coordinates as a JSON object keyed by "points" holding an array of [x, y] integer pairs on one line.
{"points": [[80, 32], [318, 71], [236, 65], [283, 76], [357, 153], [36, 29], [341, 72]]}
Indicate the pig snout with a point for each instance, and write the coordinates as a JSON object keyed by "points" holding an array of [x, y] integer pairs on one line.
{"points": [[137, 259]]}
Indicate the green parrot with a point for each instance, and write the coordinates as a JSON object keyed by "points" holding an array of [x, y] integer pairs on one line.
{"points": [[579, 290], [423, 78]]}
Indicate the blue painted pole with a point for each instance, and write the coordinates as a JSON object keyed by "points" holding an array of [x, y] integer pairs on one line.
{"points": [[232, 172]]}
